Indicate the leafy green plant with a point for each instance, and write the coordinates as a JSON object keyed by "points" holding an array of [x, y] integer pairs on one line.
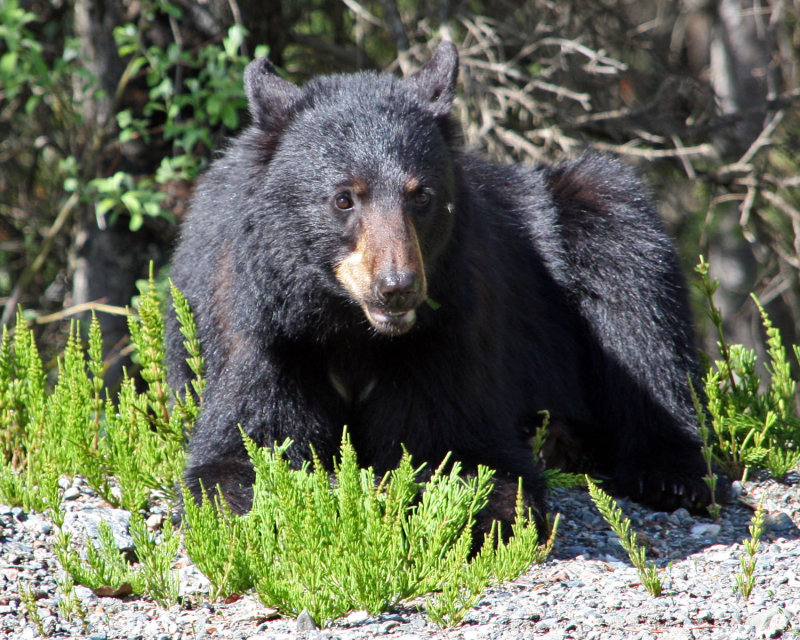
{"points": [[69, 604], [328, 547], [621, 526], [22, 394], [155, 555], [745, 580], [714, 508], [107, 570], [191, 94], [137, 440], [331, 546], [122, 191], [448, 607], [753, 423], [31, 608], [105, 567], [60, 159], [555, 478]]}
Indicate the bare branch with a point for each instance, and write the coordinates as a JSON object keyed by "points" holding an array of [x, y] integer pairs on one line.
{"points": [[705, 149]]}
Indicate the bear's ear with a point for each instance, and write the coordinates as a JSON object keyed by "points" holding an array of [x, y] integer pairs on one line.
{"points": [[435, 82], [270, 98]]}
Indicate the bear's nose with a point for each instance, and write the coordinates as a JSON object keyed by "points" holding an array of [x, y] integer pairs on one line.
{"points": [[398, 289]]}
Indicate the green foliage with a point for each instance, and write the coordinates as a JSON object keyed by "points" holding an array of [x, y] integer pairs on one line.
{"points": [[753, 423], [185, 403], [105, 566], [191, 94], [28, 474], [122, 191], [558, 479], [745, 580], [72, 430], [334, 545], [621, 526], [555, 478], [24, 68], [106, 569], [211, 93], [714, 509], [69, 604], [22, 396], [31, 608], [155, 555], [40, 121], [125, 450], [308, 543], [497, 561]]}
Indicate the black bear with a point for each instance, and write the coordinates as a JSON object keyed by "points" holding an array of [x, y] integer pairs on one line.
{"points": [[348, 263]]}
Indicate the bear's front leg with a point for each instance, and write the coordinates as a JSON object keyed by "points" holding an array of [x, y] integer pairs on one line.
{"points": [[269, 403]]}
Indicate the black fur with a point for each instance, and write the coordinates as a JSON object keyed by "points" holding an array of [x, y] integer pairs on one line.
{"points": [[554, 288]]}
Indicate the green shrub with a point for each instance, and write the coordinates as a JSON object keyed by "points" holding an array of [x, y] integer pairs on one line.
{"points": [[311, 542], [621, 526], [754, 422], [332, 545]]}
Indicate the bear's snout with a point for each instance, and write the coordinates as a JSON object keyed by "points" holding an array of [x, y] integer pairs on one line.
{"points": [[398, 290], [385, 273]]}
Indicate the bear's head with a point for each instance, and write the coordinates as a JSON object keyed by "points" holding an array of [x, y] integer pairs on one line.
{"points": [[362, 163]]}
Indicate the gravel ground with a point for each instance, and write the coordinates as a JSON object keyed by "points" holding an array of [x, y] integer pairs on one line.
{"points": [[587, 590]]}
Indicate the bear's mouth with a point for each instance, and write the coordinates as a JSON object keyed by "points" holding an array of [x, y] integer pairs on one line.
{"points": [[389, 321]]}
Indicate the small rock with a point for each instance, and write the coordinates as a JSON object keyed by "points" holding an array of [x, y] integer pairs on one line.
{"points": [[37, 525], [356, 618], [706, 530], [155, 521], [659, 517], [84, 594], [86, 522], [389, 625], [792, 478], [28, 634], [769, 624], [48, 625], [680, 516], [305, 622], [704, 615], [73, 493], [779, 522]]}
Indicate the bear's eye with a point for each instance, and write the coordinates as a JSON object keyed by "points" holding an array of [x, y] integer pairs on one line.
{"points": [[343, 201], [422, 198]]}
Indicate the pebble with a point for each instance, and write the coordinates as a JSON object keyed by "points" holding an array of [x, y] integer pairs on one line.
{"points": [[72, 493], [305, 622], [85, 523], [779, 522], [706, 530], [769, 624], [587, 590]]}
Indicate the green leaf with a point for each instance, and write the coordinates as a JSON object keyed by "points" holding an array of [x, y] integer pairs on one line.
{"points": [[132, 202], [8, 63], [104, 206], [230, 116], [236, 36], [136, 222]]}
